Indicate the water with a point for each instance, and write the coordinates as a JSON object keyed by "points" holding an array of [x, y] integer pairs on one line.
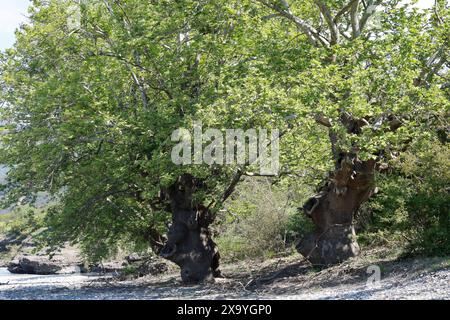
{"points": [[54, 286], [4, 272]]}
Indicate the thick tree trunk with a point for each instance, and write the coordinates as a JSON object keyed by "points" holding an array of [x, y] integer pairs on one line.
{"points": [[189, 243], [333, 210]]}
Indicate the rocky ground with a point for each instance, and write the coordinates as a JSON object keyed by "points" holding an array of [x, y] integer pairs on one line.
{"points": [[22, 255], [284, 278]]}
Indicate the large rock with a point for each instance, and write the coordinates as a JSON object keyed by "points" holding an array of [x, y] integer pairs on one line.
{"points": [[34, 265], [66, 260]]}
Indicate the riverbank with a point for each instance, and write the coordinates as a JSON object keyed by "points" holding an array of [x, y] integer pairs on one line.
{"points": [[284, 278]]}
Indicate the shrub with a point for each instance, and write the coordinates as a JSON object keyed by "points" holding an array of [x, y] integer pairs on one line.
{"points": [[22, 220], [413, 206], [261, 220]]}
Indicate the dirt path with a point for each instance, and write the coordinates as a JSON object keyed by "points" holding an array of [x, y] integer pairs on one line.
{"points": [[275, 279]]}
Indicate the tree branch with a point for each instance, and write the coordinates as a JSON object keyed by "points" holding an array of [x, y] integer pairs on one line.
{"points": [[356, 31], [308, 30], [320, 119], [162, 88], [368, 12], [432, 66], [343, 11], [334, 33]]}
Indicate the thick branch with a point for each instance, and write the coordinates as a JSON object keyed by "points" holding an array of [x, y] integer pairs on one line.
{"points": [[356, 31], [432, 66], [234, 182], [368, 12], [343, 11], [334, 33], [308, 30]]}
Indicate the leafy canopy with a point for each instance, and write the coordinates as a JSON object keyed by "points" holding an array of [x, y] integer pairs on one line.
{"points": [[90, 109]]}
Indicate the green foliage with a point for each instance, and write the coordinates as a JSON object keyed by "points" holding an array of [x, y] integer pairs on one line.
{"points": [[261, 220], [413, 206], [89, 112], [92, 109], [129, 270], [22, 220], [16, 226]]}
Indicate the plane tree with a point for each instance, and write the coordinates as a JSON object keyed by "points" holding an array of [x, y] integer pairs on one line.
{"points": [[367, 78], [92, 94]]}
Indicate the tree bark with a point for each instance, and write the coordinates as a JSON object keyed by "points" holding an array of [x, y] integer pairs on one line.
{"points": [[333, 209], [189, 243]]}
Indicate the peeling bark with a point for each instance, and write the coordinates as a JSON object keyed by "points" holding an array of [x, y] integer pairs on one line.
{"points": [[189, 243], [333, 209]]}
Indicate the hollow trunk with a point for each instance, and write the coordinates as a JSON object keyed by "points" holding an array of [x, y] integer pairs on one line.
{"points": [[189, 243], [333, 209]]}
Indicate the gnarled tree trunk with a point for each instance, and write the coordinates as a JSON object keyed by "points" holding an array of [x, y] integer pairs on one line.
{"points": [[189, 243], [333, 210]]}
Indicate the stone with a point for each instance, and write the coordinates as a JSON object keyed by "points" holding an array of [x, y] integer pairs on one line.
{"points": [[65, 260], [134, 257], [153, 268], [107, 267], [34, 265]]}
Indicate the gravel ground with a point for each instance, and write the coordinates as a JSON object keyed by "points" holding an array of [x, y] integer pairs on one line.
{"points": [[411, 280], [426, 286]]}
